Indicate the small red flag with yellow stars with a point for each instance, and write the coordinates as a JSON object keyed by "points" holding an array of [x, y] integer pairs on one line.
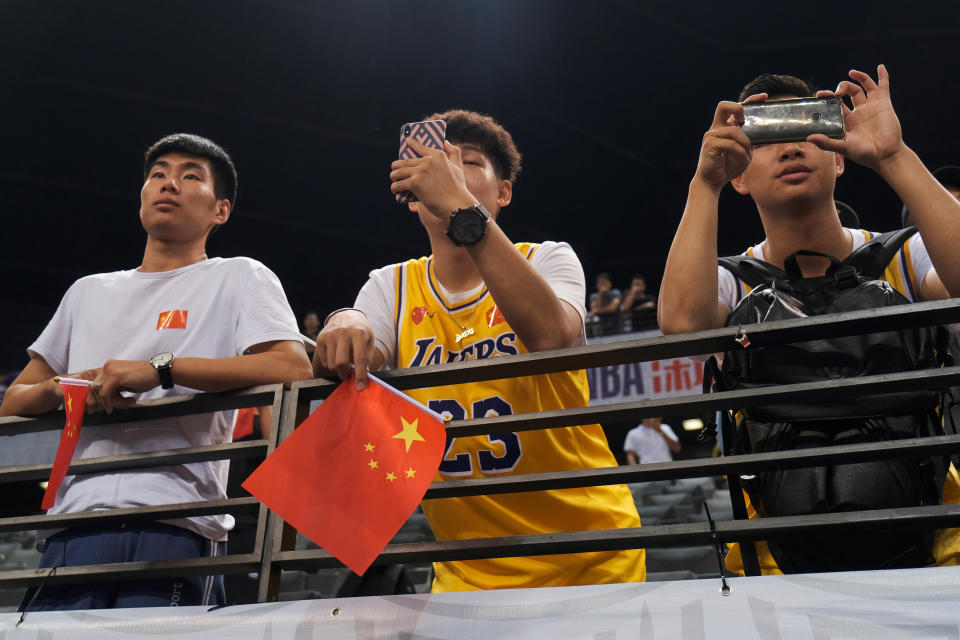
{"points": [[74, 404], [352, 473]]}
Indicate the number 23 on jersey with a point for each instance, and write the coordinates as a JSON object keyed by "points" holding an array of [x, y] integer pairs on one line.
{"points": [[488, 461]]}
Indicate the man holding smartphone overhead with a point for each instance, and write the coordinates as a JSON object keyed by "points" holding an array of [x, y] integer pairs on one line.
{"points": [[792, 185], [479, 295]]}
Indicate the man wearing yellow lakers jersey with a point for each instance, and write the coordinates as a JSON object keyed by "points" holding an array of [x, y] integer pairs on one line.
{"points": [[792, 186], [481, 296]]}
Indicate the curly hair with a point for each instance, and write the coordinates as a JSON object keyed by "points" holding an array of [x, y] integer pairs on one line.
{"points": [[496, 142]]}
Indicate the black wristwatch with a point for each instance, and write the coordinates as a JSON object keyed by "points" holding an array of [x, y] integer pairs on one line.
{"points": [[468, 226], [163, 363]]}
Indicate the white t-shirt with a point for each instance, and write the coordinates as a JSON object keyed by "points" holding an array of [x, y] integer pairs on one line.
{"points": [[649, 445], [222, 307], [555, 261], [730, 289]]}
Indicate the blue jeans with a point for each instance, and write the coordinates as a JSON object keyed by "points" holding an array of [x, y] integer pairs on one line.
{"points": [[128, 543]]}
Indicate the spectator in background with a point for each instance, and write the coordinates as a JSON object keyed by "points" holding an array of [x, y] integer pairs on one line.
{"points": [[311, 324], [651, 441], [639, 307], [604, 314]]}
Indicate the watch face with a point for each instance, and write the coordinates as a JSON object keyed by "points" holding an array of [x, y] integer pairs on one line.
{"points": [[473, 226], [161, 359], [468, 226]]}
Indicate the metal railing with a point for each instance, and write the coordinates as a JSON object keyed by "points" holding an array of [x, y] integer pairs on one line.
{"points": [[148, 410], [274, 544]]}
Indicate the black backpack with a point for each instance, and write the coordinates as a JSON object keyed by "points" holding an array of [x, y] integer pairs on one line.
{"points": [[848, 285]]}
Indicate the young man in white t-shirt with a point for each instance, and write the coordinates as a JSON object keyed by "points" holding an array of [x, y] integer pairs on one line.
{"points": [[651, 441], [177, 323]]}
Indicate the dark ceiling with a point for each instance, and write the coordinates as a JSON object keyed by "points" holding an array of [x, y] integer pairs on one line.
{"points": [[607, 100]]}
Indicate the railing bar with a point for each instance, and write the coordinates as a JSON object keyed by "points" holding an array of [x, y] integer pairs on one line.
{"points": [[696, 404], [698, 467], [220, 565], [636, 350], [169, 407], [109, 516], [228, 451], [659, 347], [680, 535]]}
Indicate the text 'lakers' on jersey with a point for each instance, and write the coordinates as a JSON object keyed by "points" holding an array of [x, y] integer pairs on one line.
{"points": [[433, 329]]}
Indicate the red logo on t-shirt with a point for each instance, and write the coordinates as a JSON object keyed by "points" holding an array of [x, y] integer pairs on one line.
{"points": [[494, 317], [175, 319], [418, 314]]}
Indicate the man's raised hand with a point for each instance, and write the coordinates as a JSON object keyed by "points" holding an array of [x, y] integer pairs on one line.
{"points": [[726, 150], [873, 133]]}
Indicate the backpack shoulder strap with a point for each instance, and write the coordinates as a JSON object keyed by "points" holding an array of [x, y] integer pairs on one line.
{"points": [[871, 259], [752, 271]]}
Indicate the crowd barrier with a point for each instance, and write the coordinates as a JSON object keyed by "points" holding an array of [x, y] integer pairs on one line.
{"points": [[274, 543]]}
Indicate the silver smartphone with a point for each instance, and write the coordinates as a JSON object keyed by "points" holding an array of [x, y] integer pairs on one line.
{"points": [[792, 120]]}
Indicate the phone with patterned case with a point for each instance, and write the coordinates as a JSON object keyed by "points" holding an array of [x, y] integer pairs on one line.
{"points": [[429, 133]]}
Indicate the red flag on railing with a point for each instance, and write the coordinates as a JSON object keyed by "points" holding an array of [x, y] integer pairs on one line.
{"points": [[74, 404], [352, 473]]}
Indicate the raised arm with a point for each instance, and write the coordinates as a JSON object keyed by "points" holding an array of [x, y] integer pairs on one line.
{"points": [[629, 298], [874, 139], [528, 303], [688, 291], [610, 307]]}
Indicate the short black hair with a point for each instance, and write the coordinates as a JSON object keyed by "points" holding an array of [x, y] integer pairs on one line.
{"points": [[604, 274], [224, 173], [778, 85], [496, 142]]}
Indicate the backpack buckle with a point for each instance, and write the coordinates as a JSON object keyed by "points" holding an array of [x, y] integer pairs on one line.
{"points": [[846, 278], [741, 338]]}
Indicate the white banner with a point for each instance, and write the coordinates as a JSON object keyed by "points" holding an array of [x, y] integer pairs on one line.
{"points": [[874, 605], [642, 380]]}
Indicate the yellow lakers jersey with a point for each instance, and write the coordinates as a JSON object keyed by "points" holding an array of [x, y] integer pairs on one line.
{"points": [[432, 329], [946, 545]]}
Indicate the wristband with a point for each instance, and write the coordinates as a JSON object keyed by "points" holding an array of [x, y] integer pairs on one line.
{"points": [[333, 313]]}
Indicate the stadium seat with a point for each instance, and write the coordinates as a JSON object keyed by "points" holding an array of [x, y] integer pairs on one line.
{"points": [[657, 511], [671, 498]]}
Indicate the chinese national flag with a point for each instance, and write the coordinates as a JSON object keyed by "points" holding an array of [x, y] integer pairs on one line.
{"points": [[173, 319], [354, 471], [74, 404]]}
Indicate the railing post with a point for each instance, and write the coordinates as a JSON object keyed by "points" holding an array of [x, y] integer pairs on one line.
{"points": [[280, 536]]}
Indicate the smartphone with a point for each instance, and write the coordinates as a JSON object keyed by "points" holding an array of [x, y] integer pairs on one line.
{"points": [[792, 120], [430, 133]]}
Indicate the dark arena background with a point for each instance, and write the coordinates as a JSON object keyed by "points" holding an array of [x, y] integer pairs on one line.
{"points": [[607, 101]]}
